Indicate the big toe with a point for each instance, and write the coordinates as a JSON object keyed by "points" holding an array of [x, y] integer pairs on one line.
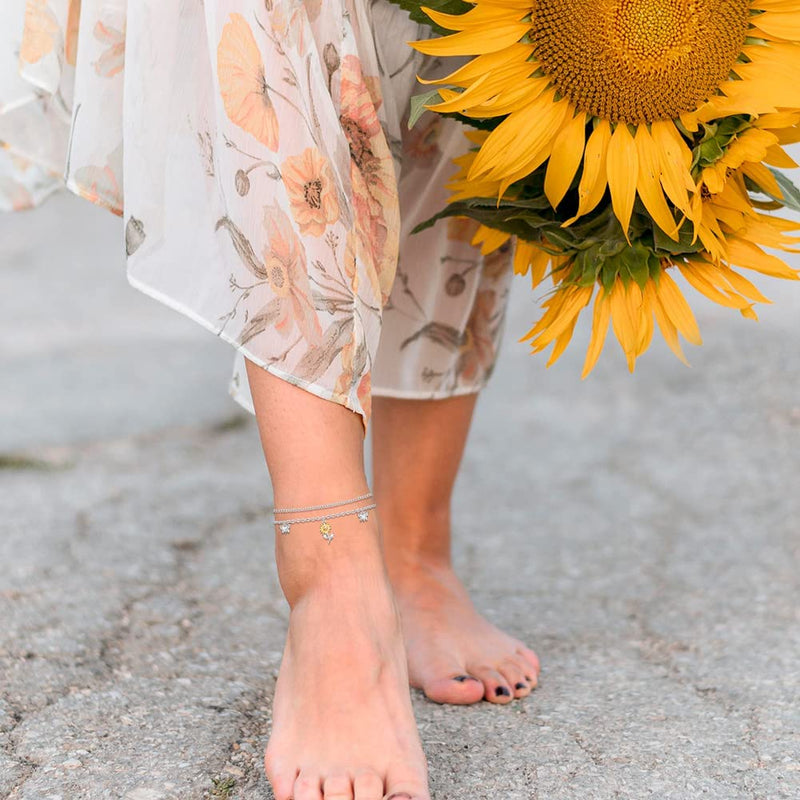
{"points": [[281, 778], [460, 689]]}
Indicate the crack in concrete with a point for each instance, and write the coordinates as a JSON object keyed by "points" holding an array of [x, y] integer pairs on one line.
{"points": [[246, 752], [174, 579]]}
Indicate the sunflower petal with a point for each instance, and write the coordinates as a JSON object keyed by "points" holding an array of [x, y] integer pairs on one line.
{"points": [[746, 254], [561, 343], [676, 159], [565, 159], [600, 320], [623, 166], [665, 325], [677, 309], [592, 185], [649, 183]]}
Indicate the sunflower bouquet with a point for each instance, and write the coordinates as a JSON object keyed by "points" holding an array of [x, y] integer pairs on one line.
{"points": [[620, 141]]}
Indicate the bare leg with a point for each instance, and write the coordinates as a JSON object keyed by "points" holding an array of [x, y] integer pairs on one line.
{"points": [[343, 727], [454, 654]]}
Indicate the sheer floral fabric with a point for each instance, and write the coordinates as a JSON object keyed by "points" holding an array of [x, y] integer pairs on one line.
{"points": [[259, 156]]}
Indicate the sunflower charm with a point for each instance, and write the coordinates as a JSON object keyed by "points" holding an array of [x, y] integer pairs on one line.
{"points": [[326, 531]]}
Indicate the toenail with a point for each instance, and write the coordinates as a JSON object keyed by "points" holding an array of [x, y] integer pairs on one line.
{"points": [[461, 678], [520, 685], [402, 796], [502, 691]]}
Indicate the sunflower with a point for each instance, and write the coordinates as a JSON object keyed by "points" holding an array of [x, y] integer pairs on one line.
{"points": [[623, 142], [612, 86], [631, 300]]}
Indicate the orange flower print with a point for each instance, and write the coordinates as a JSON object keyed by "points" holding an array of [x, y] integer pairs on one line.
{"points": [[371, 236], [350, 373], [287, 19], [14, 194], [373, 84], [243, 83], [286, 269], [345, 380], [312, 194], [364, 393], [477, 352], [461, 229], [313, 7], [372, 170], [39, 33], [73, 26], [421, 143], [498, 262], [99, 185], [112, 61]]}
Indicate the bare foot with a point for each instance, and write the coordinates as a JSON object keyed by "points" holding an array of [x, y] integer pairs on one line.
{"points": [[454, 654], [343, 727]]}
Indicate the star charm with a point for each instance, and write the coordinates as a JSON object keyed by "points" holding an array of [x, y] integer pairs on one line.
{"points": [[284, 527], [363, 516]]}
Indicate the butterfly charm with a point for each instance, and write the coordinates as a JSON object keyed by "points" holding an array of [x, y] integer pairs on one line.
{"points": [[363, 516], [326, 531], [285, 527]]}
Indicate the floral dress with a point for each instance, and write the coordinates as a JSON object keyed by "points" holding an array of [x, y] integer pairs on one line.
{"points": [[271, 182]]}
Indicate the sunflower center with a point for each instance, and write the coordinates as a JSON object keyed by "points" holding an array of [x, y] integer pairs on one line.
{"points": [[638, 60]]}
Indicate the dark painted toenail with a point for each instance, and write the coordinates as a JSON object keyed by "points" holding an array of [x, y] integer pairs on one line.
{"points": [[520, 685], [461, 678], [502, 691]]}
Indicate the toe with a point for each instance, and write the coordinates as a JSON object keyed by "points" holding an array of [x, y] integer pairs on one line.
{"points": [[402, 786], [496, 688], [460, 689], [444, 680], [337, 786], [368, 786], [282, 780], [532, 660], [514, 675], [307, 786]]}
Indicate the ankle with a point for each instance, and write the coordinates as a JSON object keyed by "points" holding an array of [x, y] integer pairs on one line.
{"points": [[351, 566], [416, 536], [410, 568]]}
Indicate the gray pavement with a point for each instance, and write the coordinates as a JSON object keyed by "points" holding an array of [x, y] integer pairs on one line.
{"points": [[643, 535]]}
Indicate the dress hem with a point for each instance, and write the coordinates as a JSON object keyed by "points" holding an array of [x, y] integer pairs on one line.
{"points": [[175, 305], [439, 394]]}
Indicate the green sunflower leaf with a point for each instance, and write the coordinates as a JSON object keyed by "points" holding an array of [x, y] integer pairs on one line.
{"points": [[791, 194], [665, 246], [418, 103]]}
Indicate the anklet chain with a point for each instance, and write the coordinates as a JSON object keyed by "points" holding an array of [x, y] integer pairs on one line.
{"points": [[321, 508], [285, 525]]}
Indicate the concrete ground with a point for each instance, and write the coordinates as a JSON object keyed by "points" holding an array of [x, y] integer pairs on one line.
{"points": [[643, 535]]}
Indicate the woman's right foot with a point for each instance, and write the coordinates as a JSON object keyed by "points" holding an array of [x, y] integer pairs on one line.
{"points": [[343, 726]]}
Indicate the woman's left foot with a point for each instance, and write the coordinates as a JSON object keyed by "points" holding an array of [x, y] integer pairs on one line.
{"points": [[454, 654]]}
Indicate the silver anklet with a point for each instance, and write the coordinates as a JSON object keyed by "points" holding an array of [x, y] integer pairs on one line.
{"points": [[285, 526], [321, 508]]}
